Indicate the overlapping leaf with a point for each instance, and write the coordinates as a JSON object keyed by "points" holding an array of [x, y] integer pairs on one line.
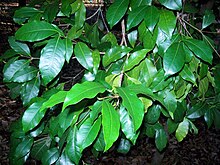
{"points": [[52, 59], [173, 5], [182, 130], [151, 18], [19, 47]]}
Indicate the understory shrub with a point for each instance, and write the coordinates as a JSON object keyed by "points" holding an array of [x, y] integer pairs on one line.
{"points": [[149, 68]]}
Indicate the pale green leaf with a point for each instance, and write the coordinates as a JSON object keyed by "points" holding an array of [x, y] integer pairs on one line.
{"points": [[110, 123], [52, 59], [116, 11], [182, 130], [81, 91]]}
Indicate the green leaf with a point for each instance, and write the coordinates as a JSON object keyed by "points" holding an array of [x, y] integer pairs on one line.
{"points": [[216, 118], [116, 11], [75, 6], [110, 123], [36, 31], [200, 49], [80, 16], [174, 59], [24, 147], [84, 55], [55, 99], [170, 102], [69, 49], [172, 126], [134, 106], [135, 58], [19, 47], [50, 156], [81, 91], [127, 125], [39, 147], [132, 37], [180, 111], [115, 54], [30, 90], [109, 37], [64, 160], [96, 60], [209, 117], [160, 139], [182, 130], [173, 5], [24, 75], [50, 10], [99, 144], [124, 146], [87, 133], [32, 116], [152, 15], [14, 67], [153, 114], [167, 22], [74, 33], [208, 19], [136, 16], [197, 110], [72, 148], [187, 74], [52, 59], [135, 3]]}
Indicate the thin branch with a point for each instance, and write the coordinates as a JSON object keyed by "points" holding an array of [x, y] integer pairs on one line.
{"points": [[123, 40], [90, 17], [103, 19]]}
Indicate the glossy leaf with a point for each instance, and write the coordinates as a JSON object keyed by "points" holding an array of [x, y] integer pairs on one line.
{"points": [[174, 59], [151, 18], [167, 22], [208, 18], [81, 91], [160, 139], [110, 123], [51, 10], [88, 132], [127, 125], [23, 13], [115, 54], [172, 126], [133, 105], [182, 130], [80, 16], [19, 47], [50, 156], [187, 74], [136, 16], [99, 144], [116, 11], [109, 37], [74, 32], [124, 146], [170, 102], [24, 147], [32, 116], [96, 60], [134, 3], [84, 55], [197, 110], [30, 90], [52, 59], [64, 160], [36, 31], [209, 117], [135, 58], [200, 49], [153, 114], [132, 37], [27, 74], [173, 5], [13, 68], [69, 49]]}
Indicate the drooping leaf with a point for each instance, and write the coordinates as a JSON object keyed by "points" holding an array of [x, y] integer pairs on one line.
{"points": [[84, 55], [110, 123], [174, 59], [208, 18], [132, 37], [135, 58], [109, 37], [14, 67], [197, 110], [160, 139], [127, 125], [209, 117], [32, 116], [36, 31], [134, 106], [19, 47], [115, 54], [96, 60], [99, 144], [151, 18], [124, 146], [187, 74], [116, 11], [170, 102], [200, 49], [50, 10], [64, 160], [171, 125], [88, 131], [69, 49], [27, 74], [167, 22], [136, 16], [173, 5], [80, 16], [52, 59], [182, 130], [50, 156], [153, 114], [81, 91], [30, 90], [134, 3]]}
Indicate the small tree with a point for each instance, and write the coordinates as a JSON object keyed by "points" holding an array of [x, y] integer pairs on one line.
{"points": [[157, 72]]}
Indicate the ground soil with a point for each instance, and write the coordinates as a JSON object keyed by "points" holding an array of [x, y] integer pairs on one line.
{"points": [[203, 148]]}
